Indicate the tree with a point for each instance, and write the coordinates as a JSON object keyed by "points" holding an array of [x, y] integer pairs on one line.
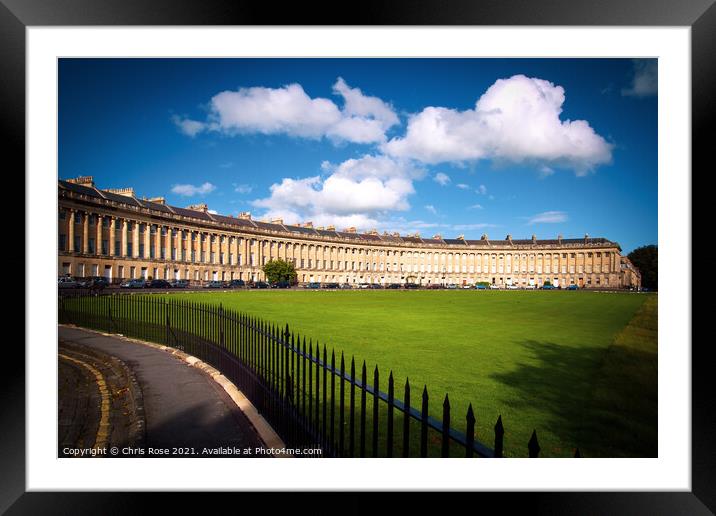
{"points": [[646, 259], [278, 270]]}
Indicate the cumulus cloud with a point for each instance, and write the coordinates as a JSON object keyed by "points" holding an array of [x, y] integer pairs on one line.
{"points": [[482, 190], [548, 217], [431, 209], [290, 110], [188, 126], [188, 190], [545, 171], [645, 81], [441, 179], [242, 188], [463, 186], [475, 207], [356, 193], [515, 120]]}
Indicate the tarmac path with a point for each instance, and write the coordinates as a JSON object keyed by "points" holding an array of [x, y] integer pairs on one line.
{"points": [[186, 413]]}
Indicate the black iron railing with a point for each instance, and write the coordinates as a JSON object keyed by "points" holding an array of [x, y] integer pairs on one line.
{"points": [[291, 382]]}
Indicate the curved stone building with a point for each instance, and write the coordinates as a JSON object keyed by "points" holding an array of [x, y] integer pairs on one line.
{"points": [[115, 234]]}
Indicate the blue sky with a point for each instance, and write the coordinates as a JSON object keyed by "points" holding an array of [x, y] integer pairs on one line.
{"points": [[448, 146]]}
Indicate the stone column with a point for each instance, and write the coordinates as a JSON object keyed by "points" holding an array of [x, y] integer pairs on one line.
{"points": [[98, 239], [123, 243], [85, 233], [71, 232], [168, 244], [135, 240], [112, 235], [147, 241]]}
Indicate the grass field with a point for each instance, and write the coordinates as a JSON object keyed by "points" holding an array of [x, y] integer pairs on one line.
{"points": [[579, 367]]}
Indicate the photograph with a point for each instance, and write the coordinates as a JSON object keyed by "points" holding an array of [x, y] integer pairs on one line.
{"points": [[354, 257]]}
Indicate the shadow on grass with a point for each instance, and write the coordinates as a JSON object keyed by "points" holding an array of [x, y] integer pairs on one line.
{"points": [[600, 401]]}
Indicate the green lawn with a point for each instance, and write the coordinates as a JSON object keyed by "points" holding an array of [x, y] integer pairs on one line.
{"points": [[579, 367]]}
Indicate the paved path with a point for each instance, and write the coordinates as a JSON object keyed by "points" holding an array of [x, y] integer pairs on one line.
{"points": [[183, 407]]}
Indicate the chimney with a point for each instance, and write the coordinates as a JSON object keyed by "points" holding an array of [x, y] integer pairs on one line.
{"points": [[308, 224], [534, 238], [277, 221], [331, 227], [246, 215], [437, 237], [461, 237], [509, 238], [559, 238], [396, 234], [82, 180], [351, 229], [127, 192], [586, 238], [158, 200], [484, 237], [198, 207]]}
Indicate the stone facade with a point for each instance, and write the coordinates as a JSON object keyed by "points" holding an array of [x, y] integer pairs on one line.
{"points": [[113, 233]]}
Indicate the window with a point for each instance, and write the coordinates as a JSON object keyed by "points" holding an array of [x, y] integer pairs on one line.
{"points": [[130, 251], [62, 243], [63, 214], [105, 246], [91, 245], [78, 243], [141, 250]]}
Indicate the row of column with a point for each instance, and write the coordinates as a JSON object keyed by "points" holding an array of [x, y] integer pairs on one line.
{"points": [[250, 252]]}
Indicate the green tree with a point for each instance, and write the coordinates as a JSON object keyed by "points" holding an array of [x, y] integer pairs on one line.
{"points": [[279, 270], [646, 259]]}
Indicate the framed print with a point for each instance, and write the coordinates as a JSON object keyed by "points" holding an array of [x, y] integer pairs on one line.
{"points": [[346, 191]]}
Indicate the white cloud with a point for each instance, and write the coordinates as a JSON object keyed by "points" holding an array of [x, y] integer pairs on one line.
{"points": [[645, 81], [213, 212], [357, 193], [188, 190], [545, 171], [243, 189], [482, 190], [290, 110], [441, 179], [548, 217], [431, 209], [475, 207], [463, 186], [515, 120], [188, 126]]}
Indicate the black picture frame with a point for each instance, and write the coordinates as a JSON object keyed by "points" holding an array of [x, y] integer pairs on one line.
{"points": [[17, 15]]}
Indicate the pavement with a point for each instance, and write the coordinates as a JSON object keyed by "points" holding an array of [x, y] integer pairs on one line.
{"points": [[182, 410]]}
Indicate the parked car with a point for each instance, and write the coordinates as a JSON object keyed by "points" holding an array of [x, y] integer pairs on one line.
{"points": [[313, 284], [66, 282], [573, 287], [512, 287], [451, 286], [494, 287], [376, 286], [133, 283], [411, 285], [481, 287], [179, 283], [434, 286], [214, 284], [280, 284], [158, 283], [82, 282], [363, 285], [394, 285], [547, 287], [346, 286], [466, 286], [331, 285], [237, 283], [260, 284]]}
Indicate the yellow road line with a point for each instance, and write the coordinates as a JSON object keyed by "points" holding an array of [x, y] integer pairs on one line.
{"points": [[103, 430]]}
